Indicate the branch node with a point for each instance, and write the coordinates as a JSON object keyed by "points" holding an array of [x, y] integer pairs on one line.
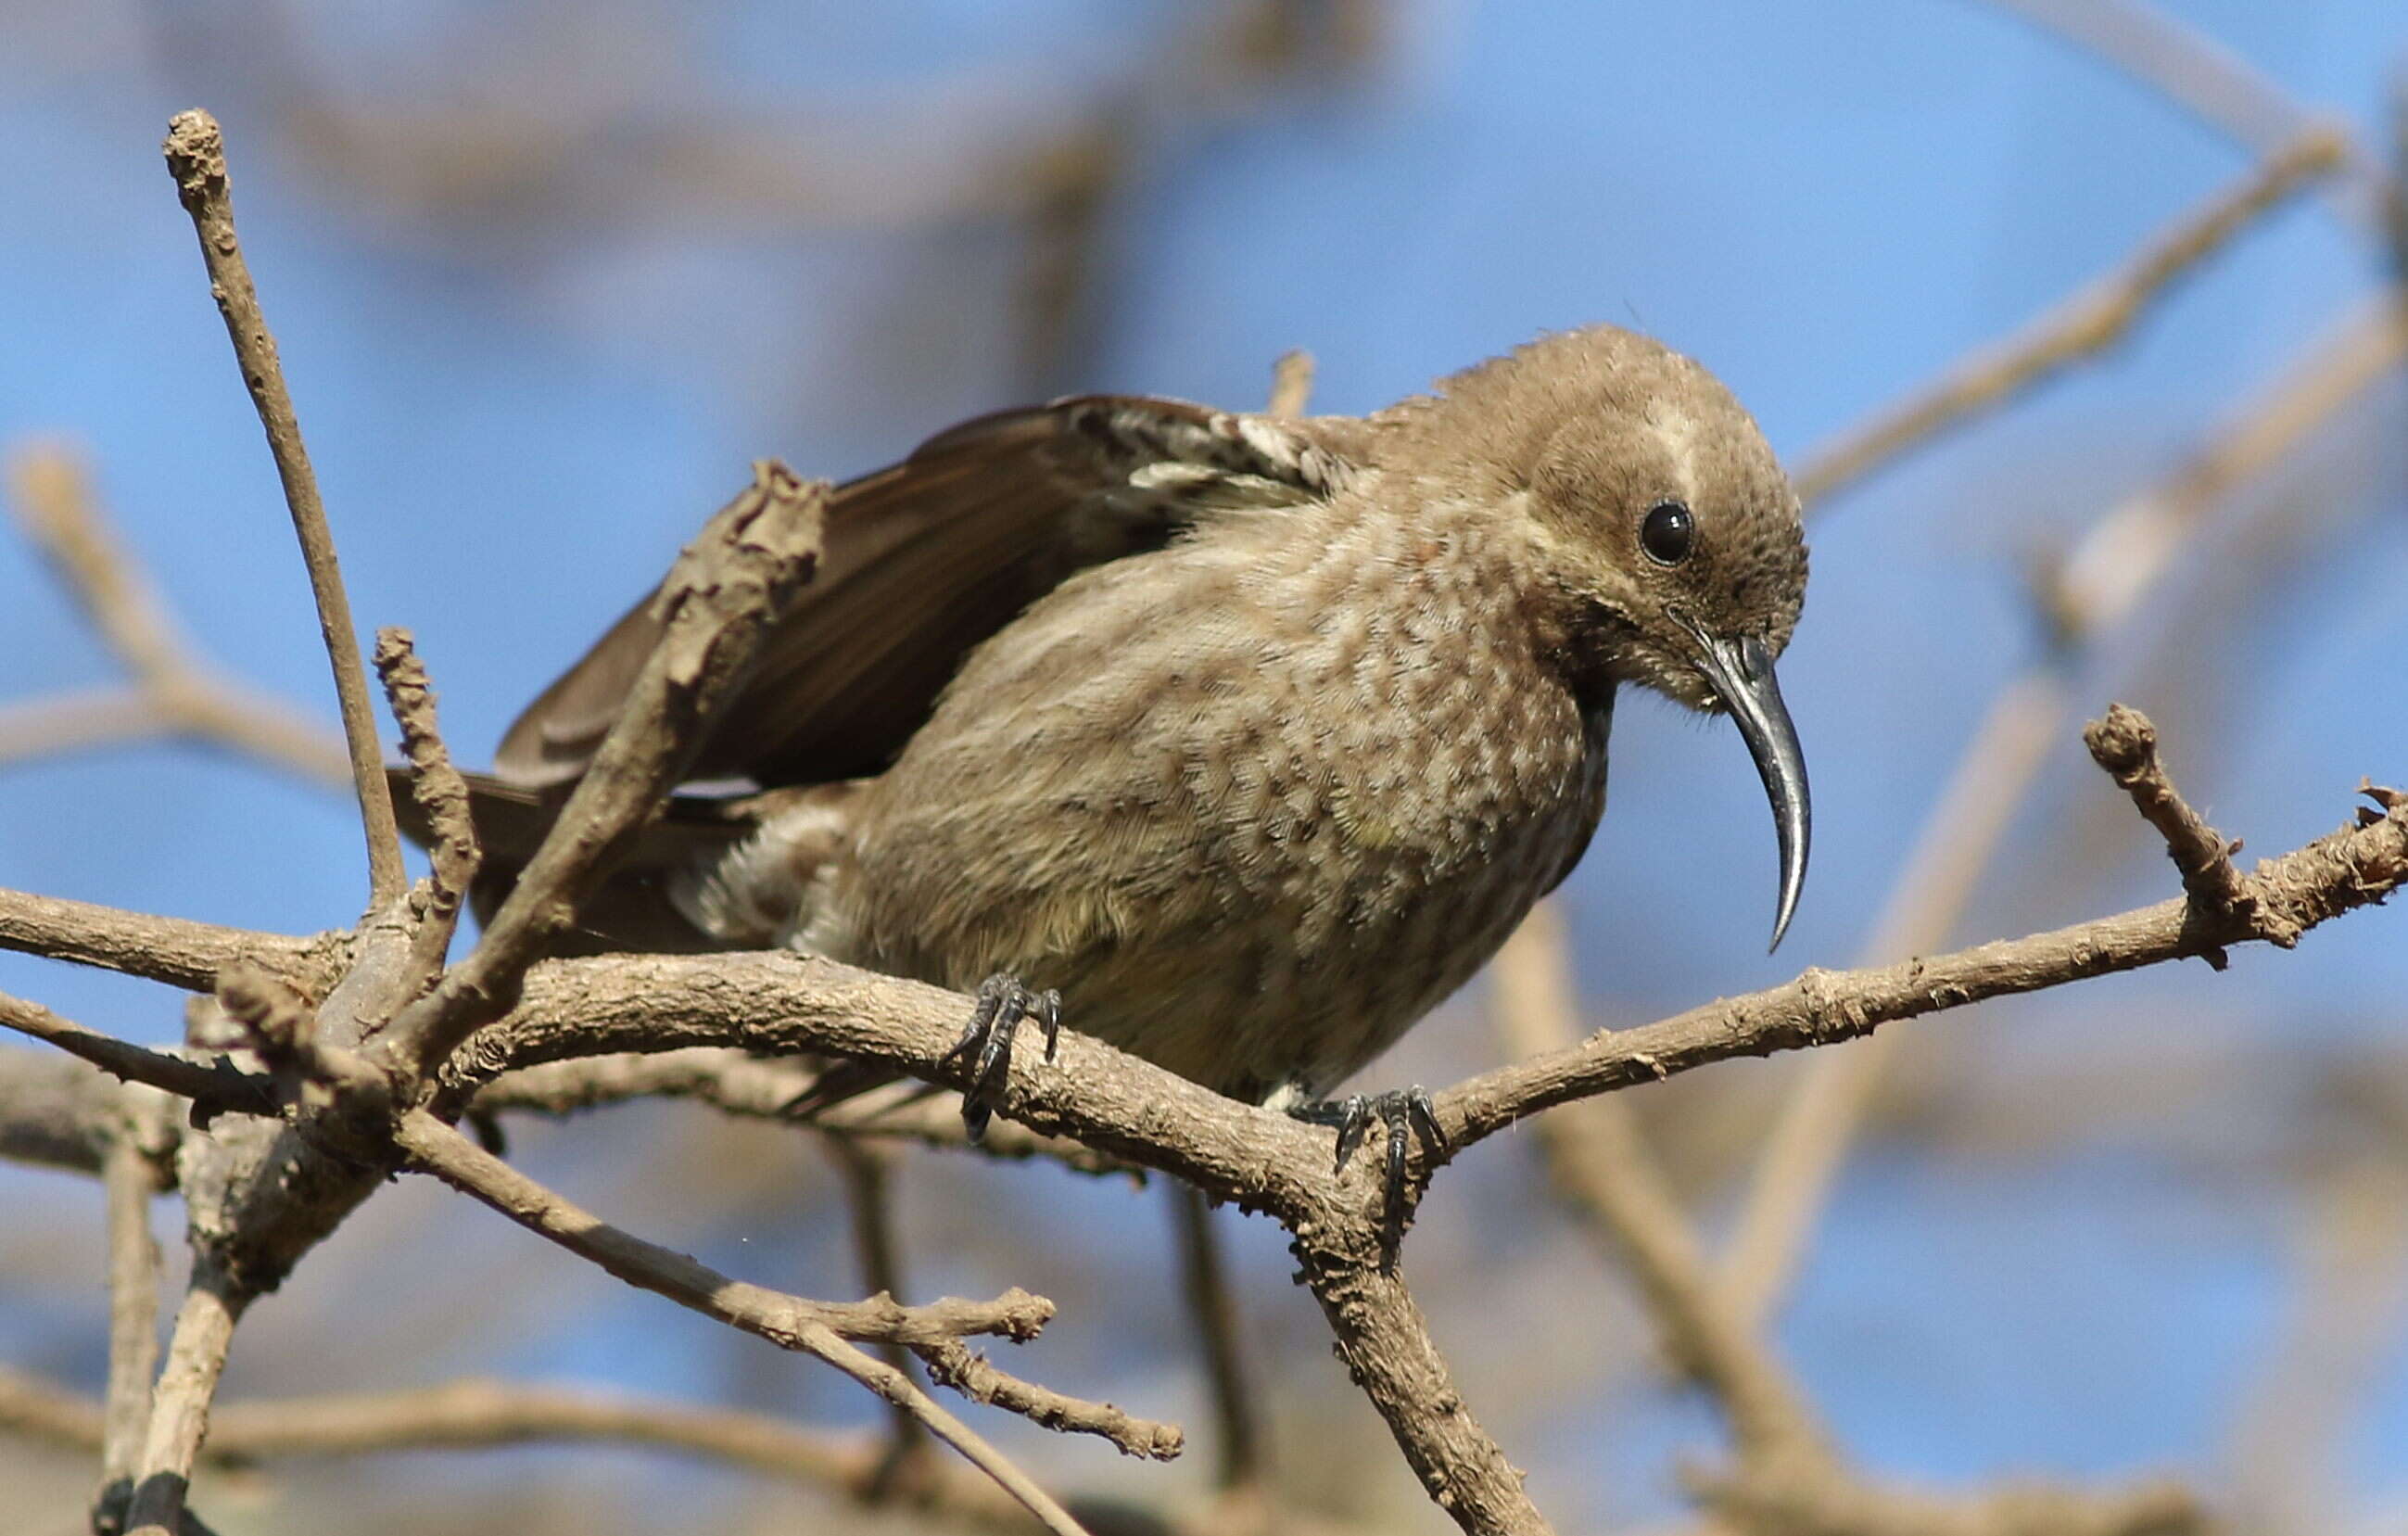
{"points": [[2124, 743]]}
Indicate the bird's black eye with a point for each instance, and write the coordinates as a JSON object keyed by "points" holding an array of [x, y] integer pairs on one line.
{"points": [[1666, 534]]}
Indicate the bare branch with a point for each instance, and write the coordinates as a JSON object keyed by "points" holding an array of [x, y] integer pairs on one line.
{"points": [[725, 591], [441, 793], [219, 1085], [285, 1033], [954, 1364], [174, 949], [1386, 1344], [196, 152], [2355, 866], [434, 1147], [758, 1088], [2124, 743], [2080, 326], [895, 1387]]}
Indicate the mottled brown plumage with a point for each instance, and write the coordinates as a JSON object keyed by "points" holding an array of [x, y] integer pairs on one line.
{"points": [[1255, 738]]}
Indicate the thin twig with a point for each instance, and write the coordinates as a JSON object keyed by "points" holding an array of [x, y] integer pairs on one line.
{"points": [[434, 1147], [2124, 743], [895, 1387], [2360, 865], [442, 797], [2080, 326], [979, 1379], [219, 1085], [196, 152], [724, 594]]}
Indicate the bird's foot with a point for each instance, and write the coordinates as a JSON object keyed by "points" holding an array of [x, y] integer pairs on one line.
{"points": [[1003, 1002], [1398, 1108]]}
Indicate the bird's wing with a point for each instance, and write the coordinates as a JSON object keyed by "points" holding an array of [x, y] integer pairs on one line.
{"points": [[928, 558]]}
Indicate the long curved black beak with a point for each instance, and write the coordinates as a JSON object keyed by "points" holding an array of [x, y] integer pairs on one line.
{"points": [[1741, 672]]}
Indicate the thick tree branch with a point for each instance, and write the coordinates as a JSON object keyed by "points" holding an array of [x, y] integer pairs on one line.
{"points": [[174, 949], [196, 152], [740, 1083]]}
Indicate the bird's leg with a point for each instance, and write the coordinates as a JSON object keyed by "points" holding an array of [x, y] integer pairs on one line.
{"points": [[1397, 1109], [1003, 1002]]}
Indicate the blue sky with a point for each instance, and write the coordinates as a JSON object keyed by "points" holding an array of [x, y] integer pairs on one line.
{"points": [[517, 421]]}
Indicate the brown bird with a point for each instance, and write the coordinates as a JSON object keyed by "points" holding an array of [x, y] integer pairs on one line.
{"points": [[1242, 740]]}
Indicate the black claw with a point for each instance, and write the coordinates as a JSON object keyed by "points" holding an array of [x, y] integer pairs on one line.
{"points": [[1405, 1112], [1048, 1014], [1003, 1004]]}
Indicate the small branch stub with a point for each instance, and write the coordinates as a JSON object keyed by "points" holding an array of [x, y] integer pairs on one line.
{"points": [[2124, 743]]}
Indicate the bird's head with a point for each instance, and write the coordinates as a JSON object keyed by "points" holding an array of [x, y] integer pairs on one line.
{"points": [[1663, 531]]}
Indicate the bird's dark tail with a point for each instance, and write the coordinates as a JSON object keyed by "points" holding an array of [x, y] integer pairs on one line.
{"points": [[633, 910]]}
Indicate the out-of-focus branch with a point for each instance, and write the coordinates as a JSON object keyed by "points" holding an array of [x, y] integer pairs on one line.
{"points": [[1600, 1159], [129, 1178], [2080, 326], [869, 1197], [173, 689], [195, 153], [2202, 75], [1204, 1282]]}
